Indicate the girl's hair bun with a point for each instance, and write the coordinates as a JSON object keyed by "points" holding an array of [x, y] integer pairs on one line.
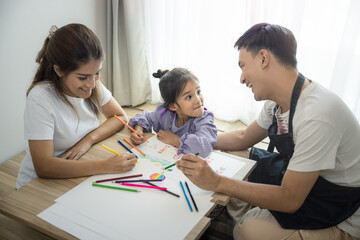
{"points": [[159, 73]]}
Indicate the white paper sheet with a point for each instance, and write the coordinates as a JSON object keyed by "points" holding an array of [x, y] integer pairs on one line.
{"points": [[149, 214]]}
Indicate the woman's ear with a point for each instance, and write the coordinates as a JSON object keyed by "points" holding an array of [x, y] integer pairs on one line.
{"points": [[57, 71]]}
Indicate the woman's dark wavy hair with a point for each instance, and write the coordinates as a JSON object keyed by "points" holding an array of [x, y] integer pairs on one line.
{"points": [[172, 83], [68, 47], [277, 39]]}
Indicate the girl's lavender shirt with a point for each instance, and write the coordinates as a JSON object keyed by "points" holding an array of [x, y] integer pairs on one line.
{"points": [[202, 138]]}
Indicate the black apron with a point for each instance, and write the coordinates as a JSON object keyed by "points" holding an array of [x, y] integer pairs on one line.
{"points": [[326, 205]]}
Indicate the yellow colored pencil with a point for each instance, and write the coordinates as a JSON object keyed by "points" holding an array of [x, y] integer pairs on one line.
{"points": [[107, 148]]}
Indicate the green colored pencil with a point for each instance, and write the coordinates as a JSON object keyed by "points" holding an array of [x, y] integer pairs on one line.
{"points": [[171, 165], [118, 188]]}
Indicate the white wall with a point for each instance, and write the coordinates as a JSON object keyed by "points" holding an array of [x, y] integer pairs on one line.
{"points": [[24, 25]]}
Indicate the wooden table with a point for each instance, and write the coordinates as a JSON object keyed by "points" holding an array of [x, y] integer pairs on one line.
{"points": [[26, 203]]}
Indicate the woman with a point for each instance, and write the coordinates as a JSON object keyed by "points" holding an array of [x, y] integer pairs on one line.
{"points": [[62, 108]]}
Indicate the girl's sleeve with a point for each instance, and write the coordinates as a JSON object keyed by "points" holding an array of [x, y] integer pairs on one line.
{"points": [[203, 139], [148, 119]]}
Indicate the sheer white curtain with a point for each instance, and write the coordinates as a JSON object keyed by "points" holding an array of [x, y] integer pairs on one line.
{"points": [[200, 34], [126, 60]]}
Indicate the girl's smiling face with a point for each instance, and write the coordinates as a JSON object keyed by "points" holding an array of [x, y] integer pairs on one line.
{"points": [[190, 102]]}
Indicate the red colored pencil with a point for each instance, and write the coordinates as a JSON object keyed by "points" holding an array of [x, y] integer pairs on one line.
{"points": [[113, 179]]}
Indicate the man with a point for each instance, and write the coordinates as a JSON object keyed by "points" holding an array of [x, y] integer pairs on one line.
{"points": [[315, 191]]}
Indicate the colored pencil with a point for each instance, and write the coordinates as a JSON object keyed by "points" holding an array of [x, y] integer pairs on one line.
{"points": [[107, 148], [139, 180], [126, 148], [174, 194], [144, 186], [187, 200], [191, 196], [129, 126], [118, 178], [171, 165], [112, 187], [134, 146]]}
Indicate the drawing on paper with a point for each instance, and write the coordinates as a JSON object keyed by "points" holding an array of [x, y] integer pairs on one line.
{"points": [[161, 155], [156, 160], [156, 176]]}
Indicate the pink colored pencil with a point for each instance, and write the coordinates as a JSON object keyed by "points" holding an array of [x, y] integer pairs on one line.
{"points": [[144, 186]]}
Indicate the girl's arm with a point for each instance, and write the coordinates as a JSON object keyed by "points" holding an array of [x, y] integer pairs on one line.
{"points": [[148, 120], [203, 139]]}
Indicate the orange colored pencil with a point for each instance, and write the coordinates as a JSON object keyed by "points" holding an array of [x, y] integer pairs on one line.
{"points": [[134, 146], [129, 126]]}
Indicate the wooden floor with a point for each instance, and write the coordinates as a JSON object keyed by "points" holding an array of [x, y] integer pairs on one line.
{"points": [[11, 229]]}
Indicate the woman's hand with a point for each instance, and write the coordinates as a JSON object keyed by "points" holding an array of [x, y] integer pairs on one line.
{"points": [[120, 163], [198, 171], [169, 137], [135, 138], [77, 150]]}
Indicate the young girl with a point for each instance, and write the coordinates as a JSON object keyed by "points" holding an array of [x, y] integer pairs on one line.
{"points": [[181, 120], [63, 103]]}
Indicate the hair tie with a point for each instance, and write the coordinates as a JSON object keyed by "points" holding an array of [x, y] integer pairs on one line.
{"points": [[52, 31]]}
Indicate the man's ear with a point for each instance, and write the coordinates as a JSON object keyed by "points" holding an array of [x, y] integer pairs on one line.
{"points": [[173, 107], [57, 71], [264, 57]]}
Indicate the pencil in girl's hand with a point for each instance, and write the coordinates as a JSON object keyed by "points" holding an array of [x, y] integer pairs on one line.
{"points": [[107, 148], [134, 146], [129, 126]]}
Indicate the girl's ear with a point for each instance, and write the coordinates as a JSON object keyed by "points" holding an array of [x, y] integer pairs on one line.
{"points": [[173, 107], [57, 71]]}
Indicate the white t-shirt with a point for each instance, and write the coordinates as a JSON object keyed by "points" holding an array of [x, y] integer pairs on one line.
{"points": [[47, 117], [326, 137]]}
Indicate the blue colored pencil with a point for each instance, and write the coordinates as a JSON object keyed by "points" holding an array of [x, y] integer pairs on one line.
{"points": [[186, 196], [126, 147]]}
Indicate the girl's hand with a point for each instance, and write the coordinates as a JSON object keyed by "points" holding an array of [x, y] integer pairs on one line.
{"points": [[169, 137], [198, 171], [120, 163], [77, 150], [135, 138]]}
